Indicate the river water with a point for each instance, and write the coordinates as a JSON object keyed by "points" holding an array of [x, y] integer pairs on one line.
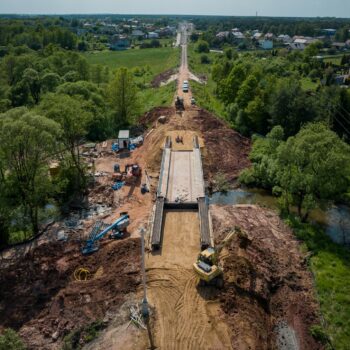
{"points": [[335, 220]]}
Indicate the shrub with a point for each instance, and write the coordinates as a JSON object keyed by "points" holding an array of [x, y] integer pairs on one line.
{"points": [[10, 340]]}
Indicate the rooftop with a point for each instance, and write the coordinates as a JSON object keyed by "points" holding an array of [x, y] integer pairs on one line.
{"points": [[124, 134]]}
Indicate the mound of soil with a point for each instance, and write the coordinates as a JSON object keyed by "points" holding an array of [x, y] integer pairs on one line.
{"points": [[42, 300], [225, 150], [162, 78], [267, 282]]}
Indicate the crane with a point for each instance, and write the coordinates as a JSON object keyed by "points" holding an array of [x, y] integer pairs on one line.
{"points": [[100, 230]]}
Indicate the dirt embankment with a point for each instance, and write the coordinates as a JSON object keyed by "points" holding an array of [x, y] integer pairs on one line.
{"points": [[164, 78], [41, 299], [267, 281], [226, 151]]}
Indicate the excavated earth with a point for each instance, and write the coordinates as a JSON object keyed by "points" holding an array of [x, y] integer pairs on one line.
{"points": [[225, 152], [43, 301], [268, 287]]}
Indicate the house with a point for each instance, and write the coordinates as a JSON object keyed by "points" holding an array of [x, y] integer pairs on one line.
{"points": [[329, 32], [153, 35], [119, 42], [167, 31], [341, 79], [136, 33], [284, 38], [257, 36], [339, 46], [238, 36], [123, 139], [266, 44], [222, 35], [269, 36]]}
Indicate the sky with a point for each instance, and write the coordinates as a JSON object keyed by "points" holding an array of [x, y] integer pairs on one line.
{"points": [[288, 8]]}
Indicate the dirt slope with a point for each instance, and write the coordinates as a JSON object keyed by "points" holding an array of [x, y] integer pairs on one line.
{"points": [[267, 283], [226, 151], [39, 296]]}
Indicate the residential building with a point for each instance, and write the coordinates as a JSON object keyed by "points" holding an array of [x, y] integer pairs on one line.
{"points": [[284, 38], [266, 44], [119, 42], [153, 35]]}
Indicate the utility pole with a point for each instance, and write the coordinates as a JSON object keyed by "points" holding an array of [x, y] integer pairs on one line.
{"points": [[144, 307], [145, 311]]}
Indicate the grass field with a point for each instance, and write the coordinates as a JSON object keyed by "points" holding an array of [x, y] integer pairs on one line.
{"points": [[205, 94], [158, 60], [335, 59], [308, 84], [156, 97], [330, 264]]}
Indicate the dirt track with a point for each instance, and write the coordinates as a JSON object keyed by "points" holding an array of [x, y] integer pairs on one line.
{"points": [[185, 317]]}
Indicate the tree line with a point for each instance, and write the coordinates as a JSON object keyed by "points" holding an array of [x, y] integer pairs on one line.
{"points": [[51, 102]]}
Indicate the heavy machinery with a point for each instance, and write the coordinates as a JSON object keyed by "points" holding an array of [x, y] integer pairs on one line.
{"points": [[179, 104], [130, 175], [100, 230], [207, 266]]}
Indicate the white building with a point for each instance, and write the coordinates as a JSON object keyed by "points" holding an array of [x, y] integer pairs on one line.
{"points": [[153, 35]]}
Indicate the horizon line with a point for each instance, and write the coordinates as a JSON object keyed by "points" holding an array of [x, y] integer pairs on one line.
{"points": [[161, 14]]}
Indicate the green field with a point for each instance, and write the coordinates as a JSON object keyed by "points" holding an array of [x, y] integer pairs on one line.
{"points": [[205, 94], [336, 59], [330, 265], [158, 60]]}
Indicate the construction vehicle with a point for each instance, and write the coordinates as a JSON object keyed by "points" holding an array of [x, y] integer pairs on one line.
{"points": [[101, 229], [179, 104], [130, 175], [207, 266]]}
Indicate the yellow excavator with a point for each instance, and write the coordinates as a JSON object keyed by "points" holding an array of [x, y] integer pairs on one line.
{"points": [[207, 266]]}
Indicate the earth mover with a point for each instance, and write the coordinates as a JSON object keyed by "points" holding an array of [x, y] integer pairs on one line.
{"points": [[207, 266], [179, 104]]}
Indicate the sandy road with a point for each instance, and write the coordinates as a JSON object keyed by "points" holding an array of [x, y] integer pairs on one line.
{"points": [[185, 318]]}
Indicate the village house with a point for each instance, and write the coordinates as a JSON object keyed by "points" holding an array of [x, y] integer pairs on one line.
{"points": [[119, 42], [266, 44]]}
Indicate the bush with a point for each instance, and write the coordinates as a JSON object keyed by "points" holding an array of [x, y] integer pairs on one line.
{"points": [[319, 334], [221, 183], [205, 59], [10, 340], [202, 47]]}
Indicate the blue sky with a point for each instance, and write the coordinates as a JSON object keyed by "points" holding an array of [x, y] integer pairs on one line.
{"points": [[301, 8]]}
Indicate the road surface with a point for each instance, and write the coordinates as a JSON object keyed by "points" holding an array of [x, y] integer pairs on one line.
{"points": [[185, 316]]}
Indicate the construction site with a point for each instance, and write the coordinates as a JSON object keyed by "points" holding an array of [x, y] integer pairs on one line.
{"points": [[216, 277]]}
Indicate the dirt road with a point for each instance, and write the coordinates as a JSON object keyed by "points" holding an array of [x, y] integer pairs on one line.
{"points": [[185, 317]]}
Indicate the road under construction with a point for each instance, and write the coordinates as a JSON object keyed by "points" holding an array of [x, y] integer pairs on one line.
{"points": [[49, 291], [184, 316]]}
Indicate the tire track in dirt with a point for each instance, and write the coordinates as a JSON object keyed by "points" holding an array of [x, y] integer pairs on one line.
{"points": [[186, 316]]}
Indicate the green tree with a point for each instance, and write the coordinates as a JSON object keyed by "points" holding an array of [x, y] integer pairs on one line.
{"points": [[247, 91], [9, 340], [73, 119], [290, 106], [313, 167], [32, 79], [202, 46], [27, 141], [122, 93]]}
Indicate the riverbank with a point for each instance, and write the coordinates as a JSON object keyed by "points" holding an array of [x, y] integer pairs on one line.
{"points": [[328, 261]]}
